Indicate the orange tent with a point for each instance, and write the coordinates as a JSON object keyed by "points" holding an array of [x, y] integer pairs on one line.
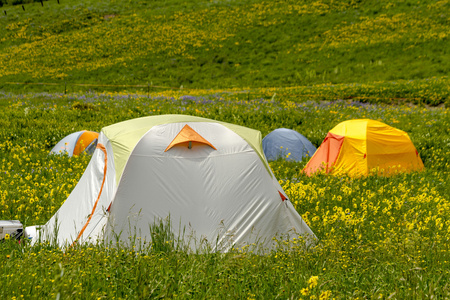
{"points": [[363, 146]]}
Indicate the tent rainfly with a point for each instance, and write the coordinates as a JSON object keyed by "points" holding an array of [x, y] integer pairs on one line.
{"points": [[287, 144], [210, 177], [77, 143], [362, 147]]}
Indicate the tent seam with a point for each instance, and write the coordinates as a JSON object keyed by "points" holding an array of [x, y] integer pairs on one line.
{"points": [[102, 148]]}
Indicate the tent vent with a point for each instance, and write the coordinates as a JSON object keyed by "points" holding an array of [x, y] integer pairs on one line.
{"points": [[188, 137]]}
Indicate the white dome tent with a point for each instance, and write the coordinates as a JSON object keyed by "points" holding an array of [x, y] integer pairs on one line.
{"points": [[210, 177], [76, 143]]}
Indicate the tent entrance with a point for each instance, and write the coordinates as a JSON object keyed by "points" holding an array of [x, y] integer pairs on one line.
{"points": [[326, 155]]}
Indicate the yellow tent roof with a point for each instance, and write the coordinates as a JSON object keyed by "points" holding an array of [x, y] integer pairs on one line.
{"points": [[364, 146]]}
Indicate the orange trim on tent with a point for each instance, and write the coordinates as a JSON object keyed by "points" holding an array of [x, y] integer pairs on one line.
{"points": [[283, 197], [188, 137], [326, 155], [84, 140], [101, 147]]}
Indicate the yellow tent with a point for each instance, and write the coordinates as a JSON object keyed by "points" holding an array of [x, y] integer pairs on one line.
{"points": [[362, 147]]}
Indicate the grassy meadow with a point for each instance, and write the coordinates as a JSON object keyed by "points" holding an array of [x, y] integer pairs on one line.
{"points": [[220, 44], [378, 237], [306, 65]]}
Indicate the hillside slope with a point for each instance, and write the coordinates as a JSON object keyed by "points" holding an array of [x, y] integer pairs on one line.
{"points": [[224, 43]]}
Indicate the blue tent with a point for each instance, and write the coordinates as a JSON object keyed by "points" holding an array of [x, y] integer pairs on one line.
{"points": [[280, 142]]}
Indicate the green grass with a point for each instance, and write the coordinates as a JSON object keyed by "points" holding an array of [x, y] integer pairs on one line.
{"points": [[222, 44], [304, 65], [378, 237]]}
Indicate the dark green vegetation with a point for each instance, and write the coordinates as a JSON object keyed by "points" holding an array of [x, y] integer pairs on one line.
{"points": [[222, 44]]}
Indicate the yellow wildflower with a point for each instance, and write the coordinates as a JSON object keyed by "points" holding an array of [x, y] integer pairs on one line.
{"points": [[304, 291], [312, 282], [325, 295]]}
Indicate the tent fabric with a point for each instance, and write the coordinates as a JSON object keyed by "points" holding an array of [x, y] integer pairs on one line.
{"points": [[186, 137], [76, 143], [125, 136], [287, 144], [103, 149], [363, 146], [327, 153], [226, 196], [86, 139]]}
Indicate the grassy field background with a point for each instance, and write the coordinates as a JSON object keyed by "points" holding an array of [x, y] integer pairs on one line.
{"points": [[222, 44]]}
